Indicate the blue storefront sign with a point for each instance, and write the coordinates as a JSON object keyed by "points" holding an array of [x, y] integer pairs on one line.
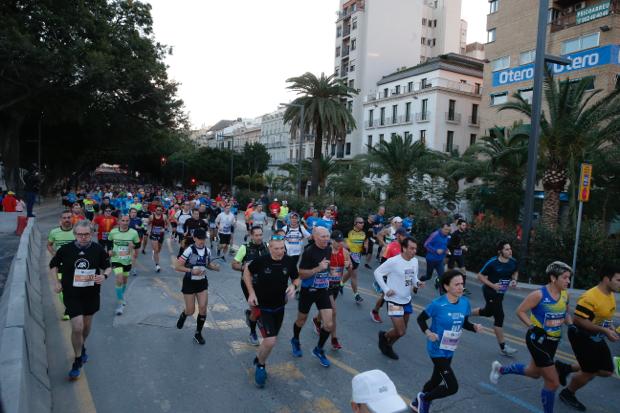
{"points": [[585, 59]]}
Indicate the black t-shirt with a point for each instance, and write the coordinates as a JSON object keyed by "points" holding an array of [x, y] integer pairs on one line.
{"points": [[311, 258], [192, 224], [271, 279], [78, 266], [213, 213]]}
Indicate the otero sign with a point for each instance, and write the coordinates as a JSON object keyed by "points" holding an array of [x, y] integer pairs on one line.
{"points": [[593, 12], [585, 59]]}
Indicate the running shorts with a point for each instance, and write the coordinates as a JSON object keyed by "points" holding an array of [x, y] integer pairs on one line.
{"points": [[224, 238], [407, 308], [269, 320], [541, 348], [194, 287], [318, 296], [81, 305], [592, 356], [125, 269]]}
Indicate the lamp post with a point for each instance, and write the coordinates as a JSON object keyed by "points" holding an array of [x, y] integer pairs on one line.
{"points": [[532, 150], [302, 134]]}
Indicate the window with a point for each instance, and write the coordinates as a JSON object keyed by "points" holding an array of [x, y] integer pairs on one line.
{"points": [[397, 90], [472, 139], [590, 82], [394, 113], [381, 138], [435, 23], [423, 136], [580, 43], [382, 117], [353, 44], [423, 41], [451, 108], [333, 149], [428, 42], [352, 83], [369, 141], [527, 94], [408, 112], [527, 57], [337, 71], [339, 31], [434, 42], [410, 87], [337, 51], [449, 141], [347, 150], [500, 63], [423, 21], [385, 92], [477, 88], [499, 98], [352, 68], [490, 35], [407, 134], [393, 135], [350, 105], [424, 83], [424, 108], [493, 6], [354, 24], [554, 14], [474, 114], [371, 115]]}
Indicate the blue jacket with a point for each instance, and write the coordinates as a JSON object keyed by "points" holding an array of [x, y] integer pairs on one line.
{"points": [[436, 241]]}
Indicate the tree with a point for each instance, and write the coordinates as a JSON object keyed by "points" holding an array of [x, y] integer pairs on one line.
{"points": [[323, 99], [350, 178], [574, 128], [327, 166]]}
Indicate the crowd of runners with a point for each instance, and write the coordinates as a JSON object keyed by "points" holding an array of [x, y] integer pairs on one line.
{"points": [[103, 231]]}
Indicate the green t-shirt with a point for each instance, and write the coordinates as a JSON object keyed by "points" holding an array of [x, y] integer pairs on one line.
{"points": [[137, 207], [59, 237], [121, 244]]}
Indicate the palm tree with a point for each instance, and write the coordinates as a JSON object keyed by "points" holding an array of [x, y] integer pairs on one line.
{"points": [[323, 99], [327, 167], [400, 159], [573, 129], [349, 178]]}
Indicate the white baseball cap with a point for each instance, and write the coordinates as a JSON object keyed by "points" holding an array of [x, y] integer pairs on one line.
{"points": [[375, 389], [397, 219]]}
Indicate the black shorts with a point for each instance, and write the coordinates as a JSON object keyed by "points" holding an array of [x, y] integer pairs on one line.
{"points": [[354, 263], [194, 286], [269, 320], [318, 296], [85, 305], [224, 238], [494, 306], [456, 259], [334, 291], [541, 348], [592, 356], [126, 268], [157, 237], [368, 249]]}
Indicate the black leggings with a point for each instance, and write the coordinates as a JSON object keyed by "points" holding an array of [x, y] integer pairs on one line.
{"points": [[493, 307], [443, 381]]}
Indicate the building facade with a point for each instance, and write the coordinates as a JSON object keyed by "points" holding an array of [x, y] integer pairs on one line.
{"points": [[276, 137], [436, 102], [375, 37], [587, 32]]}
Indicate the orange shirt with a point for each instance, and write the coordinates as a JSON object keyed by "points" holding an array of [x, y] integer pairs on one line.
{"points": [[104, 226], [77, 218], [392, 249]]}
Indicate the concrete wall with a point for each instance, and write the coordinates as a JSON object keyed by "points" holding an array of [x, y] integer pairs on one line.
{"points": [[24, 378]]}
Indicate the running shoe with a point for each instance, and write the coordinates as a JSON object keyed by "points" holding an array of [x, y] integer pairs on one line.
{"points": [[157, 268], [563, 370], [119, 309], [181, 320], [260, 375], [253, 339], [320, 354], [368, 266], [374, 315], [143, 252], [199, 339], [422, 406], [508, 351], [495, 372], [358, 298], [296, 348], [389, 352], [569, 398], [336, 344], [83, 356], [317, 325], [415, 290], [74, 373], [382, 341]]}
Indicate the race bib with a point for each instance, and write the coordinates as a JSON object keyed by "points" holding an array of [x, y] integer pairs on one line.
{"points": [[355, 257], [408, 281], [503, 285], [335, 274], [457, 252], [225, 229], [104, 236], [554, 321], [321, 280], [157, 230], [202, 275], [123, 251], [395, 310], [450, 340], [211, 224], [84, 278]]}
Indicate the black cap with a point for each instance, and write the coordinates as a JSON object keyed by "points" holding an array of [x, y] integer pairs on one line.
{"points": [[401, 231], [200, 233], [337, 235]]}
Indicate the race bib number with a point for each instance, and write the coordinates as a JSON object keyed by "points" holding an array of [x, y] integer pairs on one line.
{"points": [[84, 278], [457, 252], [321, 280], [157, 230], [104, 236], [395, 310], [450, 340], [355, 257], [335, 274], [202, 275], [554, 321], [503, 285], [408, 281], [123, 251], [211, 224], [225, 229]]}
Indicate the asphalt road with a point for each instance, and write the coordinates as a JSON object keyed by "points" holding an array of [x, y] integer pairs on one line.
{"points": [[140, 362]]}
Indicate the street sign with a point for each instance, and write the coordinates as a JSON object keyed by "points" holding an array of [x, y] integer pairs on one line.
{"points": [[585, 182]]}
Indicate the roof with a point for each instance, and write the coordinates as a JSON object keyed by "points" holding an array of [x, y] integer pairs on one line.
{"points": [[221, 125], [452, 61]]}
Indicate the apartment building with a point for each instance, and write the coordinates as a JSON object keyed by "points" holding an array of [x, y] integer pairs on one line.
{"points": [[276, 137], [436, 102], [587, 32], [375, 37]]}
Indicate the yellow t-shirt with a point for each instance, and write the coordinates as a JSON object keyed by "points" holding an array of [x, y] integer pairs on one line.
{"points": [[355, 241], [597, 307]]}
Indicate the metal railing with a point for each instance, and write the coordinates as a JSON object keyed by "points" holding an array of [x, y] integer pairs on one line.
{"points": [[345, 52], [453, 117], [473, 121], [423, 116], [569, 19]]}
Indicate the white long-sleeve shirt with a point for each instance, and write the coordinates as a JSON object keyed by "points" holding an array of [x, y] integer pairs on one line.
{"points": [[402, 276]]}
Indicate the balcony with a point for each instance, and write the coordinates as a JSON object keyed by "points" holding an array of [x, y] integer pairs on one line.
{"points": [[370, 124], [568, 17], [450, 148], [429, 84], [474, 121], [345, 52], [423, 117], [452, 117], [345, 14], [346, 32]]}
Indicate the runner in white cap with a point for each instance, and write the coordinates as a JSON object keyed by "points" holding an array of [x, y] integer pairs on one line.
{"points": [[373, 391]]}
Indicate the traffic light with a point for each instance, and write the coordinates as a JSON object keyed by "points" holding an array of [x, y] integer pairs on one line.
{"points": [[193, 181], [162, 160]]}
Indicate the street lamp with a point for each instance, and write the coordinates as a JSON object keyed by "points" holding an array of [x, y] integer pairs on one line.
{"points": [[532, 150], [302, 134]]}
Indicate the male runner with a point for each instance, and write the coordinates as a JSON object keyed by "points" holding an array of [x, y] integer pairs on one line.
{"points": [[225, 222], [457, 246], [136, 223], [294, 236], [436, 246], [158, 225], [259, 217], [213, 213], [125, 243], [356, 242], [76, 213], [181, 216], [58, 237], [104, 224]]}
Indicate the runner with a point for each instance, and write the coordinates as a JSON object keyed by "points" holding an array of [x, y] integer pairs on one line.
{"points": [[294, 235], [89, 206], [58, 237], [247, 214], [378, 221], [144, 215], [499, 273], [190, 226], [401, 272], [225, 222], [314, 272], [181, 216], [158, 225], [266, 280], [213, 212], [76, 214], [457, 246], [356, 242], [274, 209], [436, 246], [247, 253], [126, 242], [549, 310], [136, 223], [194, 263], [258, 217], [282, 215], [387, 235], [104, 224], [339, 261], [593, 323], [450, 314], [370, 241], [85, 265]]}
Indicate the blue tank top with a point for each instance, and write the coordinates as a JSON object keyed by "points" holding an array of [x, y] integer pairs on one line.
{"points": [[549, 314]]}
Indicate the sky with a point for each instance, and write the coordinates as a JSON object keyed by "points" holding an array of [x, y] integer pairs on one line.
{"points": [[232, 58]]}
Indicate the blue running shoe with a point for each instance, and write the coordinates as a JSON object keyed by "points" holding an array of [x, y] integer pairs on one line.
{"points": [[74, 373], [320, 354], [423, 406], [260, 376], [84, 356], [296, 347]]}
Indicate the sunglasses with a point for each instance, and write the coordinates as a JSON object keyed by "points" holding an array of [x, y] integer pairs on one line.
{"points": [[277, 237], [359, 222]]}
